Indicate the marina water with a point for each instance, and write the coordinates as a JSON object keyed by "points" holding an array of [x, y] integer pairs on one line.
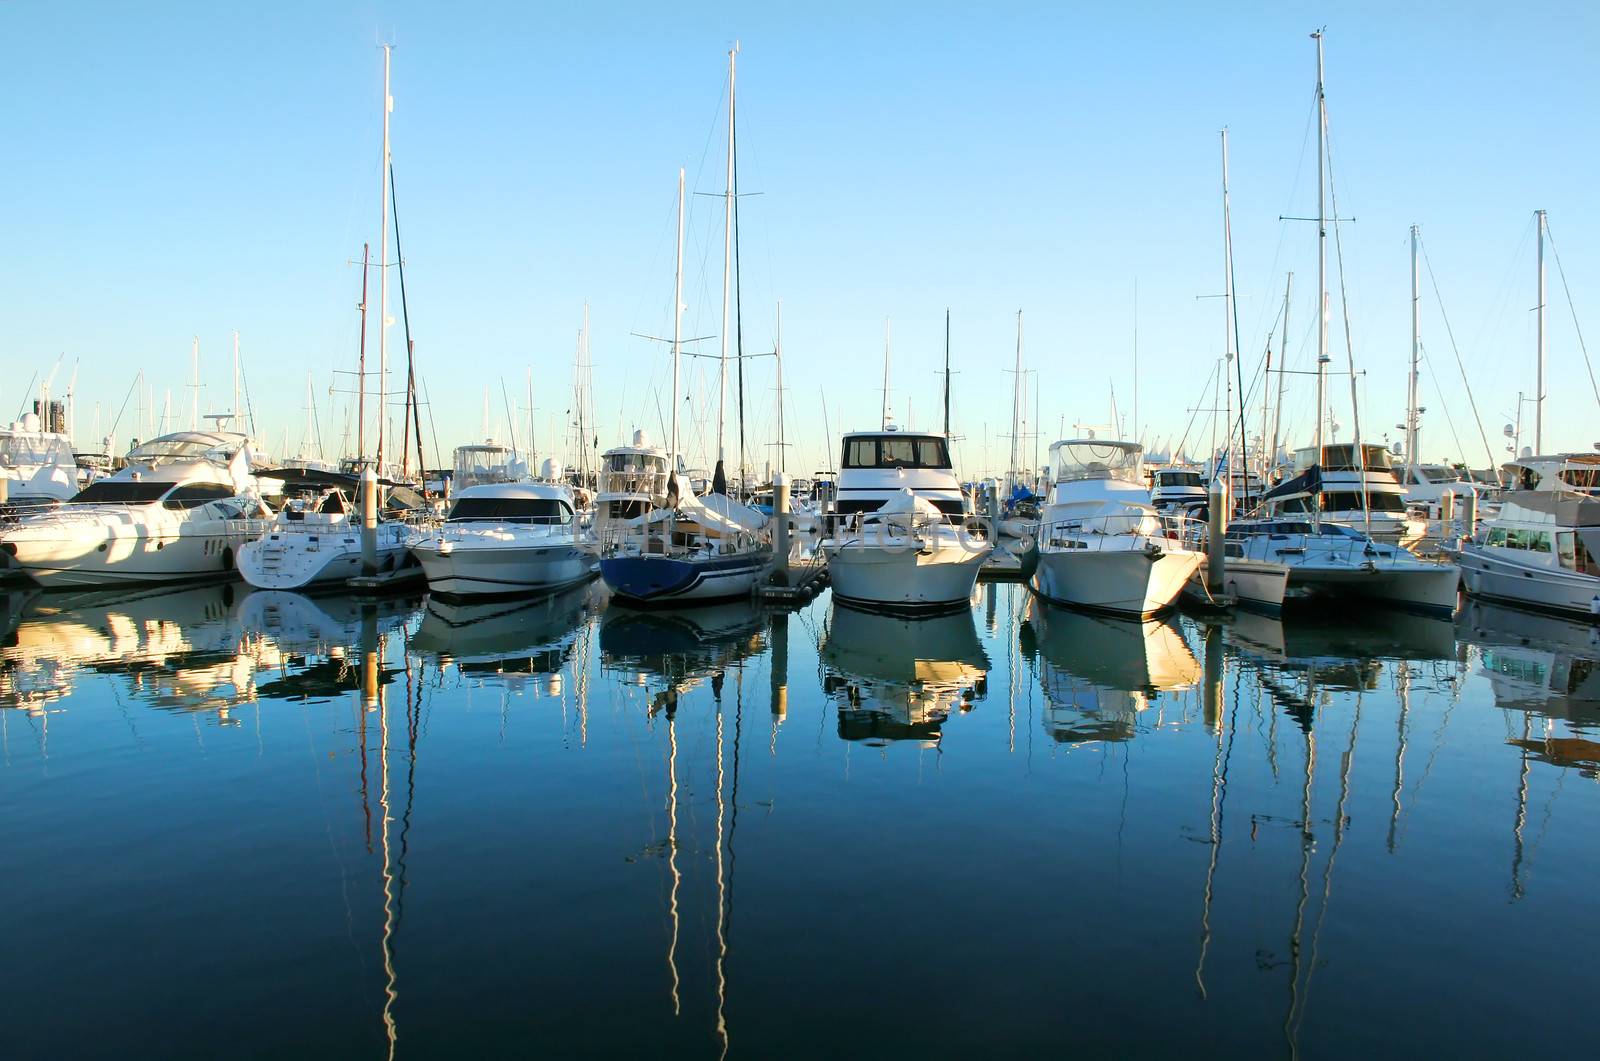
{"points": [[251, 824]]}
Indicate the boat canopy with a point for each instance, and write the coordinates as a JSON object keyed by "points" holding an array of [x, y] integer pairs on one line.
{"points": [[1092, 458], [190, 445]]}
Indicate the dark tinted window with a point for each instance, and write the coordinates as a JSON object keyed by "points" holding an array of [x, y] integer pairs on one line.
{"points": [[896, 451], [121, 492], [196, 495], [511, 510]]}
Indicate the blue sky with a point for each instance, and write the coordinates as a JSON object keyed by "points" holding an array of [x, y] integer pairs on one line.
{"points": [[190, 169]]}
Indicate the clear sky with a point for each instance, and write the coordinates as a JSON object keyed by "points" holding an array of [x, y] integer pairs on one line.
{"points": [[187, 169]]}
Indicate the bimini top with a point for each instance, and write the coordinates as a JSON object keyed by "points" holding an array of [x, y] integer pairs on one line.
{"points": [[190, 445], [1072, 459]]}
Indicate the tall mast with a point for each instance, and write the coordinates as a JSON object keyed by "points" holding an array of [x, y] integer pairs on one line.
{"points": [[237, 422], [1538, 383], [1136, 359], [777, 351], [1016, 407], [383, 263], [677, 332], [1416, 350], [1322, 272], [947, 373], [1227, 318], [1283, 370], [361, 361], [194, 370], [727, 272], [887, 414]]}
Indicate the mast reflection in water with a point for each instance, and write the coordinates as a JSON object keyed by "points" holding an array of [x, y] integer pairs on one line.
{"points": [[404, 828]]}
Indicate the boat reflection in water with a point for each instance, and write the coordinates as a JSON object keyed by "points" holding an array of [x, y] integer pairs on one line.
{"points": [[1099, 674], [899, 679], [181, 649], [669, 652], [1545, 666], [513, 643]]}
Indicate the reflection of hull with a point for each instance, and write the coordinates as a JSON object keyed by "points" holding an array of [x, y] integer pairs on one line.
{"points": [[295, 622], [896, 678], [1535, 662], [1332, 638], [1132, 582], [301, 560], [679, 645], [663, 579], [464, 567], [1528, 585], [900, 578], [485, 632], [1098, 674]]}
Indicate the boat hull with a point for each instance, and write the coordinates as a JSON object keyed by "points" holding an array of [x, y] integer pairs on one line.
{"points": [[1544, 588], [667, 579], [1258, 584], [127, 555], [1424, 586], [1136, 583], [304, 561], [464, 571], [901, 579]]}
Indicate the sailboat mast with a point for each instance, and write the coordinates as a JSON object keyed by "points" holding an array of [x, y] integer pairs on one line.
{"points": [[361, 361], [1538, 383], [947, 373], [1322, 272], [1227, 318], [1016, 407], [194, 370], [677, 332], [777, 351], [887, 414], [727, 273], [1416, 350], [1283, 371], [237, 423], [383, 262]]}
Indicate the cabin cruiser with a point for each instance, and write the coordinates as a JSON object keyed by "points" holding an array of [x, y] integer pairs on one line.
{"points": [[1349, 489], [505, 539], [37, 467], [1426, 485], [487, 462], [180, 508], [1577, 473], [1177, 490], [1541, 550], [316, 538], [633, 483], [1102, 546], [1331, 560], [899, 538]]}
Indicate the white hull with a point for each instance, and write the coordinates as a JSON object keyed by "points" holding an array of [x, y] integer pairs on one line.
{"points": [[301, 560], [1430, 586], [1252, 583], [1535, 587], [897, 577], [1132, 582], [132, 554], [466, 571]]}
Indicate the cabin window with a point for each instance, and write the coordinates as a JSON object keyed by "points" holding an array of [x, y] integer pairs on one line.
{"points": [[1497, 536], [195, 495], [1566, 550], [511, 510], [120, 492], [1539, 541], [896, 451], [1293, 504]]}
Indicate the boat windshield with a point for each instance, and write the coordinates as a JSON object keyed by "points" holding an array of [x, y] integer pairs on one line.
{"points": [[21, 451], [510, 510], [1179, 479], [1097, 460], [1342, 457], [173, 448], [633, 472], [120, 492], [896, 451]]}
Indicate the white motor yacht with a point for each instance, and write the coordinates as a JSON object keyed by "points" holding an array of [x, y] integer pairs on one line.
{"points": [[315, 541], [1356, 490], [506, 539], [181, 508], [1541, 550], [1102, 545], [899, 538], [37, 467], [1177, 489]]}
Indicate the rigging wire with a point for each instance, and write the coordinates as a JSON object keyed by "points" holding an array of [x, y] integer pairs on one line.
{"points": [[1450, 332], [1573, 309]]}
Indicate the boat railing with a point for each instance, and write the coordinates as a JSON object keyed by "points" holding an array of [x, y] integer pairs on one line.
{"points": [[880, 530], [668, 537], [1115, 530]]}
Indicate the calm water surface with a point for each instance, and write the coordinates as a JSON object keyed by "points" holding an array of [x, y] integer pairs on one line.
{"points": [[262, 825]]}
